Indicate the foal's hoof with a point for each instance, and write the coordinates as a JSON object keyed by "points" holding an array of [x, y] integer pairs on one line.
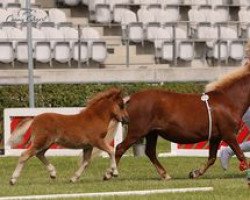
{"points": [[12, 181], [107, 177], [166, 177], [73, 180], [194, 174], [53, 176]]}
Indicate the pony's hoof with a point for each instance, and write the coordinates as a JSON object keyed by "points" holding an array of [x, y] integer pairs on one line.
{"points": [[12, 181], [194, 174], [115, 173]]}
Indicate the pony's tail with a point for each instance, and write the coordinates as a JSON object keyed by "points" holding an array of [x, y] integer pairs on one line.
{"points": [[18, 133], [247, 49]]}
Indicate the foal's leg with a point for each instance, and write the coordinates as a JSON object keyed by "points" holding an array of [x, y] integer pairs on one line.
{"points": [[49, 166], [22, 160], [151, 141], [213, 148], [85, 162], [112, 170]]}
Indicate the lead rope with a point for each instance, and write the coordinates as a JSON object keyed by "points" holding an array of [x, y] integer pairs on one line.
{"points": [[205, 98]]}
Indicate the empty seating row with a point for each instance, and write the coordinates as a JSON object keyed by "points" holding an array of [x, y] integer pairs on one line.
{"points": [[51, 43], [152, 13], [22, 3], [222, 43]]}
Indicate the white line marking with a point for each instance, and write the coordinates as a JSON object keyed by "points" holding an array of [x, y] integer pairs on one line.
{"points": [[106, 194]]}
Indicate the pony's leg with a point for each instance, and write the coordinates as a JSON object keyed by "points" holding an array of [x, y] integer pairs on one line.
{"points": [[151, 141], [49, 166], [232, 142], [213, 148], [23, 158], [112, 170], [125, 145], [85, 162]]}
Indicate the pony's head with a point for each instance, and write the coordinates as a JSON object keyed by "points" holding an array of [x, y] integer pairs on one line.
{"points": [[113, 98], [119, 111]]}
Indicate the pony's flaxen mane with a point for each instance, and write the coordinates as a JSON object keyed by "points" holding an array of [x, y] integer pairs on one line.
{"points": [[106, 94], [231, 77]]}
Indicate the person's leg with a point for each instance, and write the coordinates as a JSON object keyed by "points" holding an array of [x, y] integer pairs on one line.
{"points": [[227, 153]]}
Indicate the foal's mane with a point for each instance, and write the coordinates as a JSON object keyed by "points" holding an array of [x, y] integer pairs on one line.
{"points": [[103, 95], [231, 77]]}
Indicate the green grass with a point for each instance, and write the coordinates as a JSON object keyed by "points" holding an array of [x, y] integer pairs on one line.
{"points": [[135, 174]]}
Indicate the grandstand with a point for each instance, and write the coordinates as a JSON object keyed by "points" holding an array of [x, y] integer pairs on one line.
{"points": [[123, 40]]}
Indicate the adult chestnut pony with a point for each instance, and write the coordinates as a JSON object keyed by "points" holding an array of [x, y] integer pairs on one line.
{"points": [[81, 131], [183, 118]]}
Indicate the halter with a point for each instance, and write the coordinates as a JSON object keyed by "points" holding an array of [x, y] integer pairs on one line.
{"points": [[205, 98]]}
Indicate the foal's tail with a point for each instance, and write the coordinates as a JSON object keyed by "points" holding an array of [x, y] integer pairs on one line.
{"points": [[109, 138], [18, 133]]}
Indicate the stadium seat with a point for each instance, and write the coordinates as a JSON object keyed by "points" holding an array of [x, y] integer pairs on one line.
{"points": [[42, 52], [154, 9], [92, 4], [37, 35], [6, 48], [85, 2], [169, 2], [128, 17], [57, 16], [72, 2], [169, 14], [220, 50], [3, 15], [52, 34], [151, 31], [244, 17], [22, 52], [186, 50], [196, 16], [143, 2], [145, 16], [135, 32], [103, 13], [62, 52], [84, 52], [201, 2], [236, 50], [69, 33], [6, 2], [90, 34], [119, 9], [14, 34], [113, 3], [162, 35], [13, 8], [99, 51], [219, 14], [23, 2], [167, 51], [244, 2]]}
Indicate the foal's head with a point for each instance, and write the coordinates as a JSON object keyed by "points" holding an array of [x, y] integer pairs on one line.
{"points": [[113, 100]]}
